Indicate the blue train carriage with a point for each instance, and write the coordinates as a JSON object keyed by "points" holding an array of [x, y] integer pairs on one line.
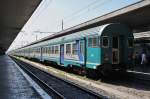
{"points": [[50, 51], [54, 50], [35, 51], [100, 49]]}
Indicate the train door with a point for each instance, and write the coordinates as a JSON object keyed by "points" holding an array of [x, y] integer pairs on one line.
{"points": [[80, 48], [62, 54], [115, 50], [121, 49]]}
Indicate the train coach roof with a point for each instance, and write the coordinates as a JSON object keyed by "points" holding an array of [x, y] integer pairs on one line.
{"points": [[89, 32], [96, 30]]}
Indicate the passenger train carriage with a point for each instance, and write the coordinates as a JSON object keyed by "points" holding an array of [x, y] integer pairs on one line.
{"points": [[99, 49]]}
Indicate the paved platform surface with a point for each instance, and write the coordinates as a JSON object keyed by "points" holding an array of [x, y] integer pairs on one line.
{"points": [[13, 84], [142, 68]]}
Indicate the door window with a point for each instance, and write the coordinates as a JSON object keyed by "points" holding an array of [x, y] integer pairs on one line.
{"points": [[115, 57], [130, 42], [115, 50], [82, 47], [115, 42], [105, 42]]}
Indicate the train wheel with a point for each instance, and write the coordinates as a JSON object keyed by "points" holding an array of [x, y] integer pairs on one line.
{"points": [[123, 71], [83, 71], [92, 74], [106, 70], [79, 70], [69, 68]]}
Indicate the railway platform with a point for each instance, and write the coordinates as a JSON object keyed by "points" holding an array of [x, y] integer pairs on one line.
{"points": [[142, 68], [141, 71], [13, 85]]}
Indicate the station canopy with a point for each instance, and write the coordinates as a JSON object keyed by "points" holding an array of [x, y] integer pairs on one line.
{"points": [[13, 16]]}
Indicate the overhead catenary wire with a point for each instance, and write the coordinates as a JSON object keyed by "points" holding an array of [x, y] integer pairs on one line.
{"points": [[78, 11], [74, 13], [39, 11], [90, 7]]}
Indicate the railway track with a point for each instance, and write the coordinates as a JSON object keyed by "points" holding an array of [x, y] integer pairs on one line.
{"points": [[129, 79], [58, 88], [139, 75], [53, 93]]}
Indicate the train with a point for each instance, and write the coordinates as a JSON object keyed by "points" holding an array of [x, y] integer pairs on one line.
{"points": [[95, 51]]}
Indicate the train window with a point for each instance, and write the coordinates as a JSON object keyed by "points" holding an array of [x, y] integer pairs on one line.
{"points": [[43, 50], [46, 50], [68, 48], [74, 49], [93, 42], [34, 50], [105, 42], [50, 51], [130, 42], [56, 49], [38, 50], [90, 42], [53, 50]]}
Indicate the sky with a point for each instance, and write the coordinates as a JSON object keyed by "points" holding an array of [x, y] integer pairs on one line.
{"points": [[49, 15]]}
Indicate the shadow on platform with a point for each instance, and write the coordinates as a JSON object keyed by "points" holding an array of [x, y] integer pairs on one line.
{"points": [[142, 68]]}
